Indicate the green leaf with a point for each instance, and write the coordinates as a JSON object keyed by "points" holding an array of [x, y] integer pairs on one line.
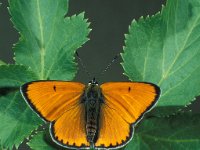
{"points": [[38, 142], [48, 39], [17, 120], [176, 132], [42, 141], [165, 49], [15, 75], [2, 62]]}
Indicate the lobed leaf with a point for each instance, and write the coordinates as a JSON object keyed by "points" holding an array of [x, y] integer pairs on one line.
{"points": [[165, 49], [38, 142], [2, 62], [48, 38], [17, 120], [15, 75], [175, 132]]}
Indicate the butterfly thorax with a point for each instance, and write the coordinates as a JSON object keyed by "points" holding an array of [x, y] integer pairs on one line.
{"points": [[92, 99]]}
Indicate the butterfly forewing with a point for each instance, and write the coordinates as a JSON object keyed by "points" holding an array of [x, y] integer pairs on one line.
{"points": [[50, 99]]}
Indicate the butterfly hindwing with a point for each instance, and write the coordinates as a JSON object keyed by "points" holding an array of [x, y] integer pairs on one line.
{"points": [[50, 99], [114, 130], [124, 105], [69, 130]]}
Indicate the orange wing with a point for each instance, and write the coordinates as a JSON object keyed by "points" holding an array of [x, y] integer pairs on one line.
{"points": [[69, 130], [59, 102], [124, 105], [50, 99], [114, 130]]}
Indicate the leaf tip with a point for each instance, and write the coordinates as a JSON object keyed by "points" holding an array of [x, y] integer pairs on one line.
{"points": [[82, 14]]}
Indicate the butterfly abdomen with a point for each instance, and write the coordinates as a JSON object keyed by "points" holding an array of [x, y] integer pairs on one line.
{"points": [[91, 126], [92, 120], [92, 101]]}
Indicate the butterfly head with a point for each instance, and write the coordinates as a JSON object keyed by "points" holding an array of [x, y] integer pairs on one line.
{"points": [[92, 91], [93, 82]]}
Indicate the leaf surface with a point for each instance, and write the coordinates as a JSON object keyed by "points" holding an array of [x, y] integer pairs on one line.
{"points": [[2, 62], [38, 142], [165, 49], [15, 75], [176, 132], [17, 119], [48, 38]]}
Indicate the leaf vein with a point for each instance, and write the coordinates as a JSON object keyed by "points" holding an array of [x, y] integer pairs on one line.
{"points": [[180, 51], [42, 49], [146, 57], [180, 82]]}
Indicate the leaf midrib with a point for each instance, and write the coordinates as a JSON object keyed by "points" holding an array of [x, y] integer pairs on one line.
{"points": [[147, 55], [52, 33], [42, 49]]}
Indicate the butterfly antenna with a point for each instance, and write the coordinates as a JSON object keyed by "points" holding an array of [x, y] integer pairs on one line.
{"points": [[83, 66], [108, 66]]}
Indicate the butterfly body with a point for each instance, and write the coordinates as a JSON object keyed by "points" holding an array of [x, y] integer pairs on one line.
{"points": [[92, 99], [84, 116]]}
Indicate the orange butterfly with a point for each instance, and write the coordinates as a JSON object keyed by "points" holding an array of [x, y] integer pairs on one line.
{"points": [[91, 116]]}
